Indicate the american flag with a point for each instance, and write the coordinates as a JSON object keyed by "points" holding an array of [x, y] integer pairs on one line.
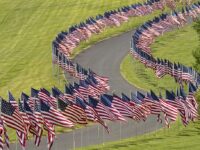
{"points": [[90, 89], [3, 136], [12, 100], [57, 93], [105, 79], [133, 105], [80, 72], [18, 108], [12, 118], [76, 91], [107, 101], [23, 114], [54, 116], [48, 126], [83, 89], [69, 93], [21, 135], [35, 127], [101, 110], [101, 85], [191, 108], [91, 114], [172, 100], [73, 113], [34, 93], [155, 106], [33, 98], [191, 96], [46, 97], [123, 107], [140, 112], [146, 107], [160, 69], [170, 112]]}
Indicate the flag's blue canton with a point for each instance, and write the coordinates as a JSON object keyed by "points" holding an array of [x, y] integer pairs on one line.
{"points": [[20, 107], [7, 108], [34, 92], [44, 107], [43, 90], [37, 108], [56, 92], [154, 97], [93, 102], [105, 100], [10, 96], [125, 97], [62, 105], [68, 90], [24, 97], [26, 107], [80, 103]]}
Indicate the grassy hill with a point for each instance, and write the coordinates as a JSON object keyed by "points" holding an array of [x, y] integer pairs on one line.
{"points": [[27, 29], [177, 45], [175, 138]]}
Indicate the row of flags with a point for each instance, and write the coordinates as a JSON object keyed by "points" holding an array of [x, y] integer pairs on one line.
{"points": [[88, 100], [139, 106], [76, 70], [43, 110], [145, 35], [66, 41], [90, 94]]}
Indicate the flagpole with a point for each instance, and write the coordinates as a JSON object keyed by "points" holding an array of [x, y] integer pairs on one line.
{"points": [[98, 129], [16, 144], [103, 136], [53, 59], [87, 132], [59, 69], [74, 144], [55, 143], [120, 130], [81, 138]]}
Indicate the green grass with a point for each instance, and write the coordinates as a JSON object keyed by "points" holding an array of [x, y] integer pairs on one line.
{"points": [[177, 137], [176, 46], [27, 30], [110, 32]]}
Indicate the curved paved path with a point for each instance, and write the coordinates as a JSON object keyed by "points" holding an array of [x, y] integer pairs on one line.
{"points": [[104, 58]]}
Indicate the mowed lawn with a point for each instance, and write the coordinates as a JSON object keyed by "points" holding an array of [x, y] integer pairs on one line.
{"points": [[27, 29], [177, 46], [175, 138]]}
